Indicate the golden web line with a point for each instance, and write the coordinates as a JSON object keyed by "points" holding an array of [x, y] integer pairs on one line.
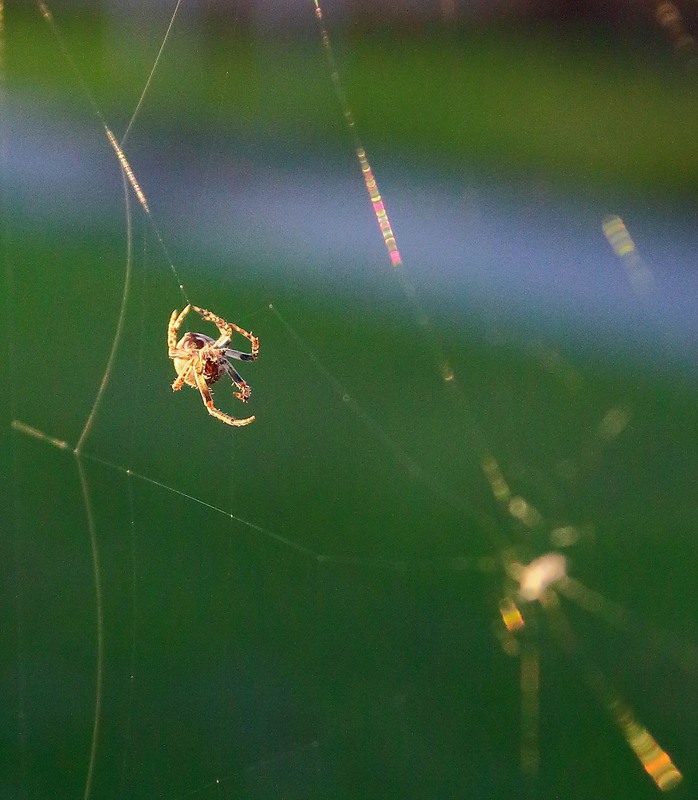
{"points": [[553, 581], [128, 170], [656, 762], [377, 203]]}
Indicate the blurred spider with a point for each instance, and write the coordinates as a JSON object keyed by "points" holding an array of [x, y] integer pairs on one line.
{"points": [[200, 360]]}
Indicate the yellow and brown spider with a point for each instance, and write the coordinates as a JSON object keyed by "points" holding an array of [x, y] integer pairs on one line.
{"points": [[200, 360]]}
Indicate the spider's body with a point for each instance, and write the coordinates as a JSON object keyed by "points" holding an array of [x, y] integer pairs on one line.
{"points": [[200, 361], [198, 345]]}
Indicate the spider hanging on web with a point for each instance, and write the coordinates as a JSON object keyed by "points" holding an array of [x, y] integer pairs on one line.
{"points": [[200, 361]]}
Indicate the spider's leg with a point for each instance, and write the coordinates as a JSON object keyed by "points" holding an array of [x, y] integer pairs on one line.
{"points": [[239, 355], [173, 327], [212, 410], [254, 341], [181, 379], [224, 328], [237, 379]]}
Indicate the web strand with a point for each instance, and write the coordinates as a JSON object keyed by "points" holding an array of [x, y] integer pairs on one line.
{"points": [[94, 546], [150, 76], [403, 459], [34, 433], [117, 148], [456, 564], [116, 341], [477, 442], [99, 625], [655, 761], [377, 203], [134, 617]]}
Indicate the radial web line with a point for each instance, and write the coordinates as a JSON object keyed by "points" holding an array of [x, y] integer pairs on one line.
{"points": [[371, 185], [477, 441], [150, 76], [411, 467], [448, 564], [497, 539], [128, 170], [118, 149], [34, 433], [655, 761]]}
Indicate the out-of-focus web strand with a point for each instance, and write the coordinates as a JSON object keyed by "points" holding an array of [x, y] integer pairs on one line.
{"points": [[379, 209], [369, 179], [654, 759]]}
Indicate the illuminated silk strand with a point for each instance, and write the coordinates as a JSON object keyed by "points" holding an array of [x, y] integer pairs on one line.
{"points": [[369, 179], [128, 170], [619, 238], [377, 203]]}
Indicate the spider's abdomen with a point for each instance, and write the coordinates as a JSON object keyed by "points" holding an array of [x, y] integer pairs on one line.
{"points": [[205, 359], [193, 341], [212, 367]]}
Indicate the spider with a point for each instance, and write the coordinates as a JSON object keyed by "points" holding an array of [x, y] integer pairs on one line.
{"points": [[200, 360]]}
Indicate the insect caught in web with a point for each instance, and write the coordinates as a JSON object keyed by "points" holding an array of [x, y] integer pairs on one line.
{"points": [[200, 361]]}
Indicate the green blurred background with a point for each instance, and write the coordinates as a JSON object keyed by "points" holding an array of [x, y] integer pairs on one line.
{"points": [[343, 640]]}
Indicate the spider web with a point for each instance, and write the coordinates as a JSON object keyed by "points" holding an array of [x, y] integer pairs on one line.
{"points": [[324, 604]]}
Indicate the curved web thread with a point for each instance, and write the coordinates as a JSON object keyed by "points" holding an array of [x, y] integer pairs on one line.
{"points": [[78, 451], [128, 177], [405, 460]]}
